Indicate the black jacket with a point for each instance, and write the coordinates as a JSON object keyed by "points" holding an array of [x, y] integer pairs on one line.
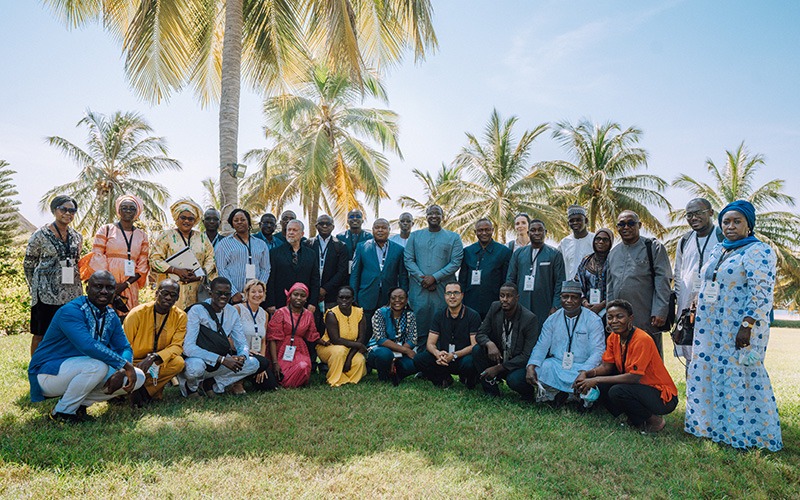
{"points": [[285, 273], [334, 274], [524, 334]]}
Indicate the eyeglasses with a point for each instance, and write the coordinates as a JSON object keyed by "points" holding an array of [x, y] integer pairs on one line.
{"points": [[604, 240], [171, 295], [324, 224], [630, 223], [221, 294], [128, 209], [294, 258], [67, 210], [355, 216], [451, 293], [695, 215], [187, 218]]}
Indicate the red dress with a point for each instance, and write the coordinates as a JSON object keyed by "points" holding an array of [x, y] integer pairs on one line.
{"points": [[279, 329]]}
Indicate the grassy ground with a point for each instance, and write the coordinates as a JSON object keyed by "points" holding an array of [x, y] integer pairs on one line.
{"points": [[375, 441]]}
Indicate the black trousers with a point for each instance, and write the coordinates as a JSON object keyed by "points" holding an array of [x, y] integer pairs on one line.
{"points": [[515, 379], [637, 401], [264, 366], [426, 363]]}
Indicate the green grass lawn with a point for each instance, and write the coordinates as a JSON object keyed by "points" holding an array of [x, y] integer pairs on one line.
{"points": [[376, 441]]}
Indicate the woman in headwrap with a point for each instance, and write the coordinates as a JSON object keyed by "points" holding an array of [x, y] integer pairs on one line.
{"points": [[729, 397], [287, 333], [592, 272], [122, 249], [186, 214]]}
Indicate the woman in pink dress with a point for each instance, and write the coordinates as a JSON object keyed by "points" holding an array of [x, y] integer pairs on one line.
{"points": [[122, 249], [287, 333]]}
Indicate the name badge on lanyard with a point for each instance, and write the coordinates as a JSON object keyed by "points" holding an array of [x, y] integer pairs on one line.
{"points": [[594, 296], [711, 292], [67, 273], [451, 348], [255, 344], [153, 372], [288, 353], [130, 268], [349, 267], [697, 283], [567, 361], [528, 285], [250, 271], [476, 277]]}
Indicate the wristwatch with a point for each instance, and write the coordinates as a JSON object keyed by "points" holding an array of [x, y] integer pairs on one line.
{"points": [[455, 356], [747, 324]]}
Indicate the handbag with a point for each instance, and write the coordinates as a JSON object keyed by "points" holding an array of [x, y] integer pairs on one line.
{"points": [[210, 340], [673, 297], [683, 333]]}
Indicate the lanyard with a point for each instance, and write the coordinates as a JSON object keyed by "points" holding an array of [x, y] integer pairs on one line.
{"points": [[507, 326], [66, 245], [535, 258], [382, 251], [627, 344], [571, 334], [294, 327], [157, 333], [719, 263], [481, 254], [254, 315], [247, 245], [185, 241], [99, 324], [703, 251], [323, 252], [350, 237], [128, 242]]}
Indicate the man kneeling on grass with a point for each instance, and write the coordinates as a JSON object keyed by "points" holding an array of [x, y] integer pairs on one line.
{"points": [[571, 341], [450, 342], [156, 331], [215, 347], [84, 356]]}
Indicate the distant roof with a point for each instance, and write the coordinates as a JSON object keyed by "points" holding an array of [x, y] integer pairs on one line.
{"points": [[25, 226]]}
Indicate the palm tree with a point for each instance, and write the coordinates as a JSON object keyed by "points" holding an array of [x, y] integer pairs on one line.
{"points": [[500, 182], [169, 45], [119, 150], [601, 176], [319, 156], [778, 228], [9, 225], [438, 191]]}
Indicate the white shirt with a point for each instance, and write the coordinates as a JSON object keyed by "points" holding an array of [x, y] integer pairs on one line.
{"points": [[574, 250], [687, 265], [399, 240]]}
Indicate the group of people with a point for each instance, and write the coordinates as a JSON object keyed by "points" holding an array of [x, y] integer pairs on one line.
{"points": [[580, 322]]}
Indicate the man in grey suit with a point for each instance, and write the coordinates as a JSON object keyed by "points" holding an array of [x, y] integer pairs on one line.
{"points": [[538, 271], [378, 267]]}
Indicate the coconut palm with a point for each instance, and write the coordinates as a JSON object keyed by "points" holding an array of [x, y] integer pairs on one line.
{"points": [[601, 174], [169, 45], [9, 225], [438, 191], [736, 181], [320, 156], [499, 181], [119, 151]]}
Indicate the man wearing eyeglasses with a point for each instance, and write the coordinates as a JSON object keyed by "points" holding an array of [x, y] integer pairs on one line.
{"points": [[211, 225], [450, 342], [332, 257], [156, 331], [693, 251], [354, 236], [629, 277]]}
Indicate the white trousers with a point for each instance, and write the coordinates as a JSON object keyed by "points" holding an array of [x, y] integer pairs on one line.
{"points": [[195, 370], [80, 383]]}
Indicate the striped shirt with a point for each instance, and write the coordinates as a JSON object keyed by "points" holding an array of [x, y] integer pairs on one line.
{"points": [[233, 256]]}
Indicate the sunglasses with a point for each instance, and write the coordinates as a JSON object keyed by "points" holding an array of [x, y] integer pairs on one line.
{"points": [[603, 240], [68, 210], [695, 215], [222, 294], [171, 295], [324, 224], [355, 216], [630, 223]]}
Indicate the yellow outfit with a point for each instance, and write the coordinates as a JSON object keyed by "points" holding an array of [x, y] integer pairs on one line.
{"points": [[169, 242], [141, 327], [335, 355]]}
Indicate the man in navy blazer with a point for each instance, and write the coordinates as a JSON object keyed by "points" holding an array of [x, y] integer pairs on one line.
{"points": [[538, 271], [378, 267]]}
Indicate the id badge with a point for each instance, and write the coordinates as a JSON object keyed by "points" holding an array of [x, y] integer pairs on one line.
{"points": [[67, 275], [153, 372], [130, 268], [288, 353], [594, 296], [697, 282], [199, 272], [349, 267], [567, 361], [255, 343], [528, 286], [250, 271], [711, 292], [451, 348], [476, 277]]}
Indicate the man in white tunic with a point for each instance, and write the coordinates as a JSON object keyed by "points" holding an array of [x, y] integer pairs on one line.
{"points": [[573, 338], [577, 245], [432, 257], [692, 253]]}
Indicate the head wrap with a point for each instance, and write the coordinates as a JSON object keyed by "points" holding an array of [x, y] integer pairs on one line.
{"points": [[608, 233], [576, 210], [571, 287], [136, 201], [186, 205], [747, 209], [296, 286]]}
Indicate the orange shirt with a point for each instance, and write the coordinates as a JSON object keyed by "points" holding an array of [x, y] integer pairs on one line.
{"points": [[642, 359]]}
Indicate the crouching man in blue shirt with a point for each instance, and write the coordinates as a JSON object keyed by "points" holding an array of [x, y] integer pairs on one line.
{"points": [[84, 356]]}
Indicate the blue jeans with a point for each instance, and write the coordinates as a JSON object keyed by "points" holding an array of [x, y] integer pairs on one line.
{"points": [[380, 358]]}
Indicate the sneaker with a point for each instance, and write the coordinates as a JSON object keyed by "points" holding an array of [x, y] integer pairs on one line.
{"points": [[183, 384], [69, 418]]}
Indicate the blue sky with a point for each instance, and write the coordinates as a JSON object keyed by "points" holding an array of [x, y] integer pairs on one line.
{"points": [[697, 77]]}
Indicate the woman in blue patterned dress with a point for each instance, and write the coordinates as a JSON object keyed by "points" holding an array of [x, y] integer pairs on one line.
{"points": [[729, 395]]}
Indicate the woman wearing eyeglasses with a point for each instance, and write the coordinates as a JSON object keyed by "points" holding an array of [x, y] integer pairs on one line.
{"points": [[186, 214], [592, 272], [394, 331], [51, 266], [122, 249]]}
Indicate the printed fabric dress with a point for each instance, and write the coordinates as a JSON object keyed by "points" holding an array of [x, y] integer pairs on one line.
{"points": [[726, 400], [296, 372], [169, 242]]}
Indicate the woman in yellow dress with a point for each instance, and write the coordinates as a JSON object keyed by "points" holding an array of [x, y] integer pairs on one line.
{"points": [[346, 330], [186, 214]]}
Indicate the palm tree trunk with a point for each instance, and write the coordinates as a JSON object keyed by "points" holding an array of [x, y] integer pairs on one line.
{"points": [[313, 213], [229, 108]]}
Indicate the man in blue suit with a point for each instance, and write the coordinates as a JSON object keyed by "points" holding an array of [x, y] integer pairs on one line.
{"points": [[378, 267], [538, 271]]}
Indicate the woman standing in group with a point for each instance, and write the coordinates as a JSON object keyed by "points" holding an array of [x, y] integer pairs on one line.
{"points": [[592, 272], [186, 214], [51, 266], [729, 395], [394, 332], [521, 223], [346, 330], [122, 249], [254, 324], [288, 331], [241, 257]]}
